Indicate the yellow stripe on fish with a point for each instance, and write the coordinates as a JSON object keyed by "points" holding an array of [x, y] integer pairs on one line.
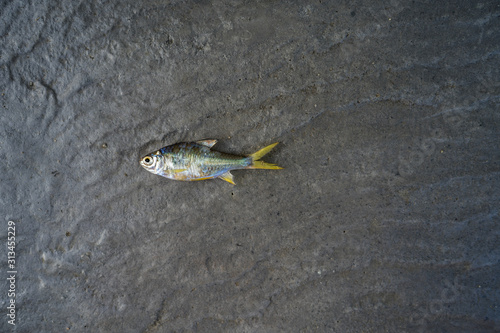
{"points": [[189, 161]]}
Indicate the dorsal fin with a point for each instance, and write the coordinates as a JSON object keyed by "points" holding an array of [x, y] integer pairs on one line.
{"points": [[209, 143]]}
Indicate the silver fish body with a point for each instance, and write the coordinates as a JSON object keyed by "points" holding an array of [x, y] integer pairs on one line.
{"points": [[189, 161]]}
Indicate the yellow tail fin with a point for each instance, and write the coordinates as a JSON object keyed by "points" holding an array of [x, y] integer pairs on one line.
{"points": [[256, 164]]}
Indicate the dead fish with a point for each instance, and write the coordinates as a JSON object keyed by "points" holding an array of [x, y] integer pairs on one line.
{"points": [[197, 161]]}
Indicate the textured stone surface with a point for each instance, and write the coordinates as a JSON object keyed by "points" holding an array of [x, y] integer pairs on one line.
{"points": [[385, 218]]}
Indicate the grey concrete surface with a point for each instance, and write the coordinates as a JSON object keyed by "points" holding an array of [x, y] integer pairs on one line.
{"points": [[385, 218]]}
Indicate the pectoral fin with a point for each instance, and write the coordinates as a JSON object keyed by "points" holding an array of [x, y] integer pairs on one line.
{"points": [[177, 170], [208, 143], [228, 177]]}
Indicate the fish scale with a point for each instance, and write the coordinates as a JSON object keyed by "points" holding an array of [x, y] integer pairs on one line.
{"points": [[189, 161]]}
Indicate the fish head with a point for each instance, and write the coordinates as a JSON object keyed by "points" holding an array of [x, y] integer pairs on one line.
{"points": [[152, 162]]}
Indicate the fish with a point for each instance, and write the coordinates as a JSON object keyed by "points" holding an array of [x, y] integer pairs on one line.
{"points": [[190, 161]]}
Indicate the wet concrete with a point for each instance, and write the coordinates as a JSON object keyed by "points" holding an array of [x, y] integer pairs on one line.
{"points": [[385, 217]]}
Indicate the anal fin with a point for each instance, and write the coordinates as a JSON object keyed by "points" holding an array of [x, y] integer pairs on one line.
{"points": [[228, 177]]}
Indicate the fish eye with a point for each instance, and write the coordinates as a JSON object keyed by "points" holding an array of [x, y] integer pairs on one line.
{"points": [[147, 160]]}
